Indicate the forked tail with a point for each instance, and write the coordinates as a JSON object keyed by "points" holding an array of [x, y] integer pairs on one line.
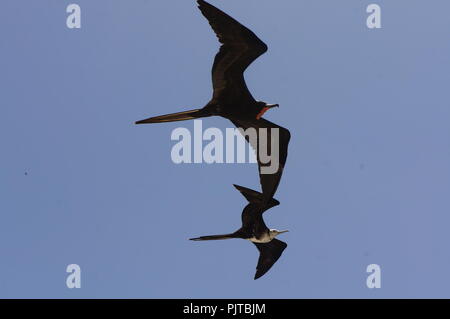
{"points": [[215, 237], [180, 116]]}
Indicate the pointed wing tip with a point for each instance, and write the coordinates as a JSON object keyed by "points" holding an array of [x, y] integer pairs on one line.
{"points": [[257, 275], [260, 272], [202, 3]]}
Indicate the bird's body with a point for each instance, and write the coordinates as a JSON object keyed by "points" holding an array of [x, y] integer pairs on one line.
{"points": [[231, 98], [255, 230], [263, 238]]}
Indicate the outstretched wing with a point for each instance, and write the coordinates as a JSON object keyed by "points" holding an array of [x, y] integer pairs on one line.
{"points": [[269, 173], [255, 197], [240, 47], [269, 253]]}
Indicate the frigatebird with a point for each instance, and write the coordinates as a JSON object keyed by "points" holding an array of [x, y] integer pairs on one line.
{"points": [[254, 229], [231, 98]]}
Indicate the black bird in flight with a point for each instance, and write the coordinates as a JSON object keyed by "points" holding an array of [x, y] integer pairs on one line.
{"points": [[231, 98], [254, 229]]}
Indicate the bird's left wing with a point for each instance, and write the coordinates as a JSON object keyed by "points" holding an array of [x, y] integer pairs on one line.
{"points": [[269, 253]]}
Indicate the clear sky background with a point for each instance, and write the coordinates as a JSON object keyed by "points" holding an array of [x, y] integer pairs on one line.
{"points": [[367, 178]]}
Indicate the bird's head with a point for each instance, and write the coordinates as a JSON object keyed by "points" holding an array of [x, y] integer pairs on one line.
{"points": [[276, 232], [264, 107]]}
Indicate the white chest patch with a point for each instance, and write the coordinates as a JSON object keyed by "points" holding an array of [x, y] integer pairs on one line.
{"points": [[262, 240]]}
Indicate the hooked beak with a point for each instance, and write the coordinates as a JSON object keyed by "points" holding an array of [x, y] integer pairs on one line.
{"points": [[265, 109]]}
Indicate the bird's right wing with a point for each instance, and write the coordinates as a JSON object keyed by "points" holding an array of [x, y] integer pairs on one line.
{"points": [[240, 47], [269, 182], [269, 253]]}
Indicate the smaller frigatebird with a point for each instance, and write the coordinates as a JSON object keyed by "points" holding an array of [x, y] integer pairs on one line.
{"points": [[254, 229]]}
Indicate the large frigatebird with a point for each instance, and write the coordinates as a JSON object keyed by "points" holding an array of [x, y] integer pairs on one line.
{"points": [[231, 98], [254, 229]]}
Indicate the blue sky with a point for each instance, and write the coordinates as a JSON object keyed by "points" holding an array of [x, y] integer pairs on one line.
{"points": [[367, 178]]}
